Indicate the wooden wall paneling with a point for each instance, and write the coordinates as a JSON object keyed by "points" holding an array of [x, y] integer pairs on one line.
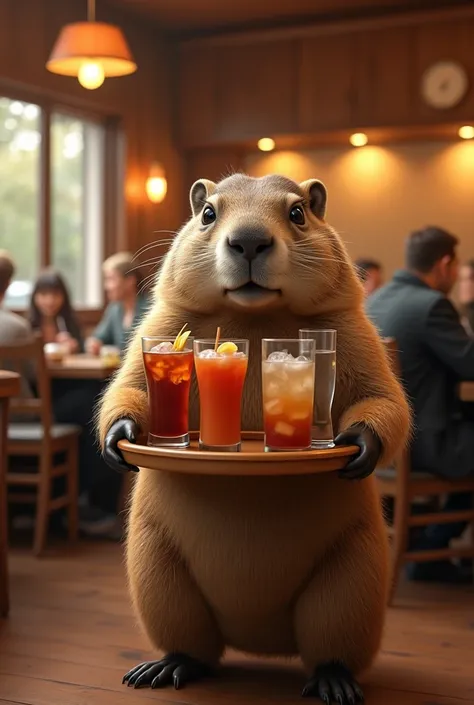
{"points": [[440, 42], [257, 90], [213, 164], [327, 83], [197, 95], [386, 80]]}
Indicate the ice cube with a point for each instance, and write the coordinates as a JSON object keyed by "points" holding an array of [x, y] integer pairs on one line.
{"points": [[272, 389], [301, 358], [239, 354], [209, 353], [299, 415], [278, 356], [276, 371], [284, 429], [165, 347], [274, 407]]}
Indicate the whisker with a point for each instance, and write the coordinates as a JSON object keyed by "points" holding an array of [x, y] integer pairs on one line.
{"points": [[150, 245]]}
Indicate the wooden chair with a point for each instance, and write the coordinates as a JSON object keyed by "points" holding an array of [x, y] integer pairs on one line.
{"points": [[405, 485], [9, 387], [44, 440]]}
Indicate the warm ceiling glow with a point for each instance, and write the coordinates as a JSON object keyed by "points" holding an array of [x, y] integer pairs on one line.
{"points": [[266, 144], [466, 132], [156, 184], [91, 51], [91, 75], [358, 139]]}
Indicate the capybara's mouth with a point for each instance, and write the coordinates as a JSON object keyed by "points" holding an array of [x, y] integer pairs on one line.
{"points": [[253, 295]]}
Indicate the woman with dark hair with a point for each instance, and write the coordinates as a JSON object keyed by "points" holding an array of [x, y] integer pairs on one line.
{"points": [[51, 312]]}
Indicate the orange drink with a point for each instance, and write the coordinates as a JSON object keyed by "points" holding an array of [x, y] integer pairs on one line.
{"points": [[168, 373], [288, 393], [221, 376]]}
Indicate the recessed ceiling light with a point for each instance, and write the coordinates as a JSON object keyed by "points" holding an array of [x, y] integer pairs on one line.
{"points": [[466, 132], [358, 139], [266, 144]]}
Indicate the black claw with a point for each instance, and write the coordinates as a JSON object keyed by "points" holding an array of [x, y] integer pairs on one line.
{"points": [[333, 682], [174, 669]]}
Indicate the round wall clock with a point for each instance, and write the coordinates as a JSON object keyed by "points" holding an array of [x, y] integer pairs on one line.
{"points": [[444, 84]]}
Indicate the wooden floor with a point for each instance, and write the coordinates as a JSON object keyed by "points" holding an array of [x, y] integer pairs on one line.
{"points": [[71, 636]]}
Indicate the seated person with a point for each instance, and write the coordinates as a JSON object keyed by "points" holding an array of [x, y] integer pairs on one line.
{"points": [[51, 312], [466, 295], [435, 354], [127, 306], [13, 328], [370, 273]]}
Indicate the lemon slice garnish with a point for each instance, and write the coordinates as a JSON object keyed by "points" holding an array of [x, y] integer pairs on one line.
{"points": [[180, 341], [227, 348]]}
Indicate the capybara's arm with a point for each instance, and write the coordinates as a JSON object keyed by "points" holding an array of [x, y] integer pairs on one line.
{"points": [[379, 400], [126, 395]]}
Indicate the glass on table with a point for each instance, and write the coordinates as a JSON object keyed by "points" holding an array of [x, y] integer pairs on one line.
{"points": [[324, 386], [221, 376], [288, 393], [168, 375]]}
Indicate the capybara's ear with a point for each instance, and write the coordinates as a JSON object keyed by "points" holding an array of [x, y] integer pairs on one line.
{"points": [[317, 196], [200, 192]]}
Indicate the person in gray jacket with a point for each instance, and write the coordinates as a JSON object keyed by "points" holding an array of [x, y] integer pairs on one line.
{"points": [[436, 353], [13, 329]]}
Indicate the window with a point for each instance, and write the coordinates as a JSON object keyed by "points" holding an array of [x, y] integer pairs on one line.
{"points": [[60, 222], [20, 138]]}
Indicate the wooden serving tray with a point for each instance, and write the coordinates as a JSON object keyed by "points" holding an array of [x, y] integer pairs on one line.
{"points": [[251, 460]]}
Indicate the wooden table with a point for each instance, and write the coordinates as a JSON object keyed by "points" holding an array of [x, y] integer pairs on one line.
{"points": [[80, 367], [9, 387], [466, 391]]}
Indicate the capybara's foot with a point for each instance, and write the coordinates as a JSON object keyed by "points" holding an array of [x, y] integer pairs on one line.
{"points": [[173, 669], [333, 682]]}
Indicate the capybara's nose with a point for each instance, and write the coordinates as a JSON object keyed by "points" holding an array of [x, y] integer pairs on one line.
{"points": [[250, 242]]}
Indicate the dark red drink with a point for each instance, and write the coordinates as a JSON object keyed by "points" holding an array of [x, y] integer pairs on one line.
{"points": [[168, 376]]}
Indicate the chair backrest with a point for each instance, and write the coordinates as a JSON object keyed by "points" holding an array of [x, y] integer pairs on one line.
{"points": [[28, 359]]}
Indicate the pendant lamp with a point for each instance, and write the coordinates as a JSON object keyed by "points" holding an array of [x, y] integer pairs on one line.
{"points": [[91, 51]]}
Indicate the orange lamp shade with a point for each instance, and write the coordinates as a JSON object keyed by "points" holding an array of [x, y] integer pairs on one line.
{"points": [[100, 42]]}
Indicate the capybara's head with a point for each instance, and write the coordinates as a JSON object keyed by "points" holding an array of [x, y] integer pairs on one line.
{"points": [[255, 244]]}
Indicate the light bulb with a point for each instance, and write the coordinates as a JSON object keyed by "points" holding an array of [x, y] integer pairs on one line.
{"points": [[466, 132], [358, 139], [156, 188], [266, 144], [91, 75]]}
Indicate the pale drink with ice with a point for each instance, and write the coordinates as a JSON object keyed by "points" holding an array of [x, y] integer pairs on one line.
{"points": [[288, 394]]}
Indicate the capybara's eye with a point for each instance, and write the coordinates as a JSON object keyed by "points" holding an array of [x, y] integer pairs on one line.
{"points": [[208, 215], [297, 215]]}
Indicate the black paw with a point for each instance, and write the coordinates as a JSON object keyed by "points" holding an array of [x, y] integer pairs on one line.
{"points": [[333, 683], [363, 464], [173, 669]]}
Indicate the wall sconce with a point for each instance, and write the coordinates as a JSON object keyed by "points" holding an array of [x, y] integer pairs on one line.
{"points": [[156, 184]]}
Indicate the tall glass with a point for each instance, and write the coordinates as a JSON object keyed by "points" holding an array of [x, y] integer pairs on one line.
{"points": [[325, 367], [221, 377], [288, 393], [168, 377]]}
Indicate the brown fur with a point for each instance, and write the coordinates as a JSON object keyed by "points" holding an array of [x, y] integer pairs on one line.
{"points": [[287, 565]]}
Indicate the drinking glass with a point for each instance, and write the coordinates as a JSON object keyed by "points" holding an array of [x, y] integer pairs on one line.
{"points": [[221, 379], [325, 383], [288, 393], [168, 377]]}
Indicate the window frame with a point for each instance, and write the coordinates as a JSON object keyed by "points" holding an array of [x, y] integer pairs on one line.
{"points": [[112, 125]]}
